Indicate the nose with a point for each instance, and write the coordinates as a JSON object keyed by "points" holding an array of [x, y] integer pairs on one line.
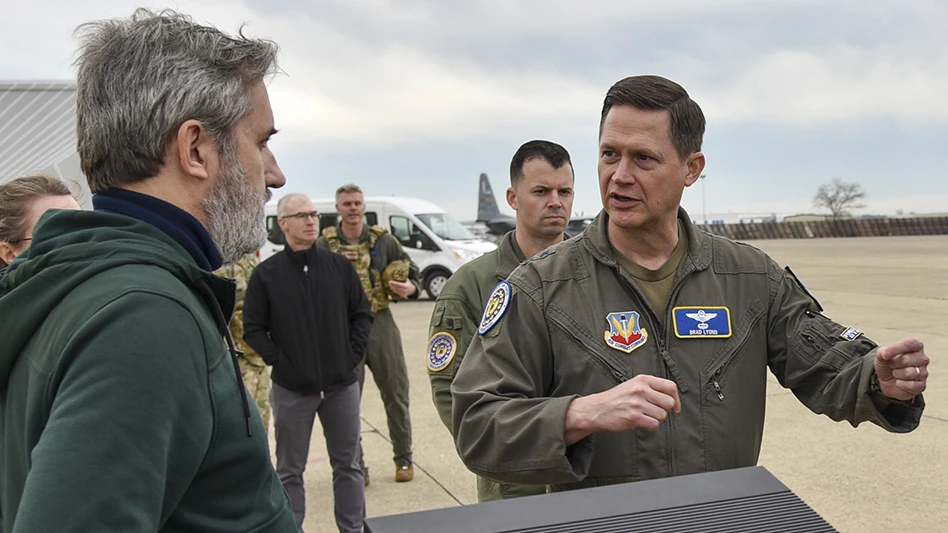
{"points": [[272, 173], [555, 201], [623, 174]]}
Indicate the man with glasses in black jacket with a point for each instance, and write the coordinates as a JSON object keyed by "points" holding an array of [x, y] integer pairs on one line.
{"points": [[306, 314]]}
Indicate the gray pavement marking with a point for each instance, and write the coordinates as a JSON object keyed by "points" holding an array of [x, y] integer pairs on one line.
{"points": [[417, 466], [927, 417]]}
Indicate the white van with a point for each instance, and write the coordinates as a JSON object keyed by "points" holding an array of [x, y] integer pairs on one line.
{"points": [[437, 243]]}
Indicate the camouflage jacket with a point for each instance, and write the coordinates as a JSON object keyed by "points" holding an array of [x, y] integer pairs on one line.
{"points": [[240, 272], [378, 257]]}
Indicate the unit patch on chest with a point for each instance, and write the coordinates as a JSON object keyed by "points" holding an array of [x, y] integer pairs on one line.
{"points": [[713, 322], [624, 333]]}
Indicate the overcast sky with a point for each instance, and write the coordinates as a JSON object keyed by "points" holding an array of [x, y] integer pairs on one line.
{"points": [[417, 98]]}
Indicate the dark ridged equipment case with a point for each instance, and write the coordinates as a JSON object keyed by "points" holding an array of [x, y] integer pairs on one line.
{"points": [[744, 500]]}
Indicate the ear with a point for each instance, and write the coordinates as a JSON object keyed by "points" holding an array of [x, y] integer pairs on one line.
{"points": [[7, 252], [197, 153], [512, 198], [282, 223], [695, 165]]}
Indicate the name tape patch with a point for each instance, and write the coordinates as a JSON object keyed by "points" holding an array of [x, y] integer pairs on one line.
{"points": [[710, 322]]}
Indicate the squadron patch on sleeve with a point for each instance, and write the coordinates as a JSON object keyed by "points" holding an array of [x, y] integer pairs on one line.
{"points": [[850, 334], [496, 307], [441, 350]]}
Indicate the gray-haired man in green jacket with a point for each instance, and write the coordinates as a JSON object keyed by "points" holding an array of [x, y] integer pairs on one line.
{"points": [[541, 192], [640, 349], [121, 402]]}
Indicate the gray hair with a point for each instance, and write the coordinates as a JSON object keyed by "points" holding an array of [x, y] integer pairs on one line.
{"points": [[348, 188], [281, 204], [140, 78]]}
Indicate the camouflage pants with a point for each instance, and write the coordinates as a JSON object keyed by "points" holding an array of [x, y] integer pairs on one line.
{"points": [[257, 380]]}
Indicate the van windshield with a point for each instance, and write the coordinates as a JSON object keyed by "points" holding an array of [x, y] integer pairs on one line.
{"points": [[446, 227]]}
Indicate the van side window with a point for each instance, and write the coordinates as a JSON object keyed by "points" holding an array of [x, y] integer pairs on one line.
{"points": [[409, 235], [371, 218], [274, 233], [402, 229], [327, 220]]}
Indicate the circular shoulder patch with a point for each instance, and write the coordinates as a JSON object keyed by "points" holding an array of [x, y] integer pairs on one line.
{"points": [[441, 350], [496, 306]]}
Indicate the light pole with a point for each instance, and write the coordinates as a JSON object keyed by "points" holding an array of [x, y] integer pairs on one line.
{"points": [[704, 213]]}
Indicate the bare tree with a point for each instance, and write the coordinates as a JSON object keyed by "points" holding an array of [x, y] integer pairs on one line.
{"points": [[839, 197]]}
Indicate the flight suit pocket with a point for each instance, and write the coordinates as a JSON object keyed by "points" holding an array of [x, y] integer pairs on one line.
{"points": [[586, 344], [733, 391], [716, 371], [819, 341], [437, 316]]}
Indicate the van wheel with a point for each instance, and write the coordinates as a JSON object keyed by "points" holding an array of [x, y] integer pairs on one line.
{"points": [[434, 282]]}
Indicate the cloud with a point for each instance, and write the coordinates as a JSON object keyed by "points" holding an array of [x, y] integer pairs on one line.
{"points": [[401, 71], [407, 95], [389, 72]]}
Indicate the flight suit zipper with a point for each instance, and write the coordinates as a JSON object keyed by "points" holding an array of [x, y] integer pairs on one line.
{"points": [[671, 368], [714, 380]]}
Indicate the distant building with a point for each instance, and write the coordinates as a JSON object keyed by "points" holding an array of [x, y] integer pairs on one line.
{"points": [[807, 217], [756, 219], [38, 133]]}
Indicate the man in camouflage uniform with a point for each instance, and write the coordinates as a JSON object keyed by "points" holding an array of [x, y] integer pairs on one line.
{"points": [[541, 193], [386, 272], [254, 371]]}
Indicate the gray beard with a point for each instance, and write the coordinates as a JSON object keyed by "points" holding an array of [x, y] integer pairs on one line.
{"points": [[235, 214]]}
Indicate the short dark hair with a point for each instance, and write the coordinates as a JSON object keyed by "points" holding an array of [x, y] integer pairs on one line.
{"points": [[657, 93], [552, 153]]}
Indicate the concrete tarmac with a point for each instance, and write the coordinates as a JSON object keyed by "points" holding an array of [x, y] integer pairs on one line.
{"points": [[860, 480]]}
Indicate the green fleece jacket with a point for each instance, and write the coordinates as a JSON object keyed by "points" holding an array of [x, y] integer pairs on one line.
{"points": [[120, 407]]}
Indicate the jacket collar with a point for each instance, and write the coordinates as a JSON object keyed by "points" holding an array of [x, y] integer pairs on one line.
{"points": [[172, 220], [509, 255], [596, 241], [364, 237]]}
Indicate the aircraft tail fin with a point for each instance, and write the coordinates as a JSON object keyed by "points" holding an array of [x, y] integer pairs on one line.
{"points": [[487, 209]]}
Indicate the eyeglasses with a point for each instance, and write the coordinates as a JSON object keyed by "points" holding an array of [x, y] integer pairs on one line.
{"points": [[303, 216]]}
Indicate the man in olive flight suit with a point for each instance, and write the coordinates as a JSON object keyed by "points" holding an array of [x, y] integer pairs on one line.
{"points": [[386, 271], [541, 193], [254, 371], [640, 349]]}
